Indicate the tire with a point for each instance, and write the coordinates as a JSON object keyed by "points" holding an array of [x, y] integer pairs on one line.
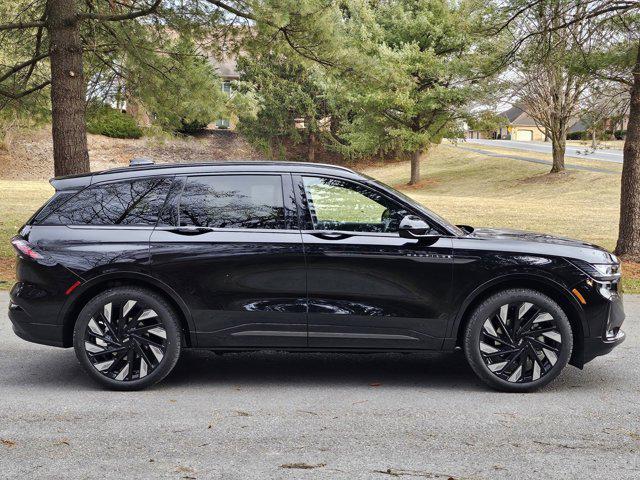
{"points": [[518, 340], [127, 338]]}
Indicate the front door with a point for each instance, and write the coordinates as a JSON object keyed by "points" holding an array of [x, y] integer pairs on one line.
{"points": [[230, 246], [368, 287]]}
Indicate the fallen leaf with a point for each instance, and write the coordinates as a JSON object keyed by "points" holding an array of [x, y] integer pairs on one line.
{"points": [[7, 443], [240, 413], [303, 466], [181, 469], [413, 473]]}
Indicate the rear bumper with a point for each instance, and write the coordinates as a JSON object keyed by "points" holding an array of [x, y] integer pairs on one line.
{"points": [[33, 312], [25, 328]]}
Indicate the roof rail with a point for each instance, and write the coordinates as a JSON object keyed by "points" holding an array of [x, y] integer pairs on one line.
{"points": [[139, 161]]}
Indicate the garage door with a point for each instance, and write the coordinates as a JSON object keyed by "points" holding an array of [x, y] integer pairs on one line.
{"points": [[524, 135]]}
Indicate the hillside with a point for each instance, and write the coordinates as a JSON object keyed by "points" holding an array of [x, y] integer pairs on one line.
{"points": [[29, 155]]}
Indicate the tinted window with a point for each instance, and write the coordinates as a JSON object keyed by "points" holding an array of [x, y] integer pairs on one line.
{"points": [[233, 201], [133, 202], [339, 205]]}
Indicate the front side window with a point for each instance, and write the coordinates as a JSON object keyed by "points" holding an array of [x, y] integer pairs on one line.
{"points": [[340, 205], [131, 202], [233, 201]]}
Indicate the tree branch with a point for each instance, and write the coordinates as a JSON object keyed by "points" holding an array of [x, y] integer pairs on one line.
{"points": [[125, 16], [22, 25], [24, 93], [20, 66], [235, 11]]}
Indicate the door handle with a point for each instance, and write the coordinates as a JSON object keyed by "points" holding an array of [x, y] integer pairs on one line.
{"points": [[191, 230], [331, 235]]}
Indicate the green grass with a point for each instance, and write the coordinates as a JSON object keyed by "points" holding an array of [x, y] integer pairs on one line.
{"points": [[464, 187]]}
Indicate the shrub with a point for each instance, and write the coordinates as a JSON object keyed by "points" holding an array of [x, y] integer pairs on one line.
{"points": [[579, 135], [617, 134], [189, 128], [110, 122]]}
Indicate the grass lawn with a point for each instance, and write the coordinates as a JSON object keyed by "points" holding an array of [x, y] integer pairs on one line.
{"points": [[464, 187], [609, 144]]}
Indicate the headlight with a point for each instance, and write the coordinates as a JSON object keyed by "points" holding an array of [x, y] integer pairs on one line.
{"points": [[605, 272]]}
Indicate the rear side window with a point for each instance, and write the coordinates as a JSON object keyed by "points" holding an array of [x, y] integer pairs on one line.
{"points": [[233, 201], [131, 202]]}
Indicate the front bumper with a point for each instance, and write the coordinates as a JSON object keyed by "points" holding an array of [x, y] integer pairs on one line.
{"points": [[606, 322], [595, 347]]}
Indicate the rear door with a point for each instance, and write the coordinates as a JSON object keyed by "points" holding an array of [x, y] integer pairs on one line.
{"points": [[368, 287], [229, 244]]}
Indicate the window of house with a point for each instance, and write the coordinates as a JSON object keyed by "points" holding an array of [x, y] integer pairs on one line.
{"points": [[233, 201]]}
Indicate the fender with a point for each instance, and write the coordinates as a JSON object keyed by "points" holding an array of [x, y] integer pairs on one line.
{"points": [[123, 276], [514, 278]]}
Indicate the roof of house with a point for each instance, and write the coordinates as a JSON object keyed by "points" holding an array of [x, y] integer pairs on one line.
{"points": [[517, 116], [513, 113]]}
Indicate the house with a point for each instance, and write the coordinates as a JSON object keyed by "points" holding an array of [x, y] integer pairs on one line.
{"points": [[225, 67], [521, 127]]}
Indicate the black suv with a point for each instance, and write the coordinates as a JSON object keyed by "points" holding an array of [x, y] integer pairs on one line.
{"points": [[130, 266]]}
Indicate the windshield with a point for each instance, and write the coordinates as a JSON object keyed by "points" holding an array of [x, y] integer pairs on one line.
{"points": [[449, 226]]}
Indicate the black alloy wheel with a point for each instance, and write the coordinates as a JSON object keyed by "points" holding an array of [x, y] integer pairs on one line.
{"points": [[518, 340], [127, 338]]}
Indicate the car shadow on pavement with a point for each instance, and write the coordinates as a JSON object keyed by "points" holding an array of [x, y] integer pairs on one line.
{"points": [[201, 368], [442, 370]]}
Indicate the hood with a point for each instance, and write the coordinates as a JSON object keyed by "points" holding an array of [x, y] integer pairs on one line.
{"points": [[542, 244]]}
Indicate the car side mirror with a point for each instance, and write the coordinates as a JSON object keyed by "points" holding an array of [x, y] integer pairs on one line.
{"points": [[412, 226]]}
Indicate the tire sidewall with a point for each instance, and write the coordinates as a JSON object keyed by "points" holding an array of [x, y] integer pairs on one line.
{"points": [[166, 315], [489, 306]]}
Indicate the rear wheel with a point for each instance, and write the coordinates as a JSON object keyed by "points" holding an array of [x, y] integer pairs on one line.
{"points": [[518, 340], [127, 338]]}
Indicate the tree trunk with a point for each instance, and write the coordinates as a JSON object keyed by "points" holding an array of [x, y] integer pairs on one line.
{"points": [[558, 147], [594, 142], [311, 153], [629, 231], [415, 167], [68, 102]]}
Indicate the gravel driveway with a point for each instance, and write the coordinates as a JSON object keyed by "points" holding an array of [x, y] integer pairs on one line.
{"points": [[276, 415]]}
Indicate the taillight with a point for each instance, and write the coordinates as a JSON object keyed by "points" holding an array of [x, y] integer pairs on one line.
{"points": [[28, 250], [24, 247]]}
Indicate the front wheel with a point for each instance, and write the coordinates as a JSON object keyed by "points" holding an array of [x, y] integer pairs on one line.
{"points": [[518, 340], [127, 338]]}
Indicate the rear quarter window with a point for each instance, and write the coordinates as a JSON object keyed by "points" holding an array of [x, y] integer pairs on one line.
{"points": [[130, 202]]}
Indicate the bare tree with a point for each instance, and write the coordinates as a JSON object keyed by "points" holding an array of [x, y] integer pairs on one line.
{"points": [[549, 87], [604, 101], [599, 13]]}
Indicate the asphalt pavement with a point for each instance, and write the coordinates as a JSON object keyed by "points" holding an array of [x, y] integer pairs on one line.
{"points": [[299, 416], [584, 152]]}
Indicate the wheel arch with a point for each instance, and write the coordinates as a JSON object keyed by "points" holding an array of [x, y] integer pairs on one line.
{"points": [[552, 289], [88, 290]]}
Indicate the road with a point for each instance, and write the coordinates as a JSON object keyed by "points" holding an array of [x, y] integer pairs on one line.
{"points": [[266, 415], [605, 155]]}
